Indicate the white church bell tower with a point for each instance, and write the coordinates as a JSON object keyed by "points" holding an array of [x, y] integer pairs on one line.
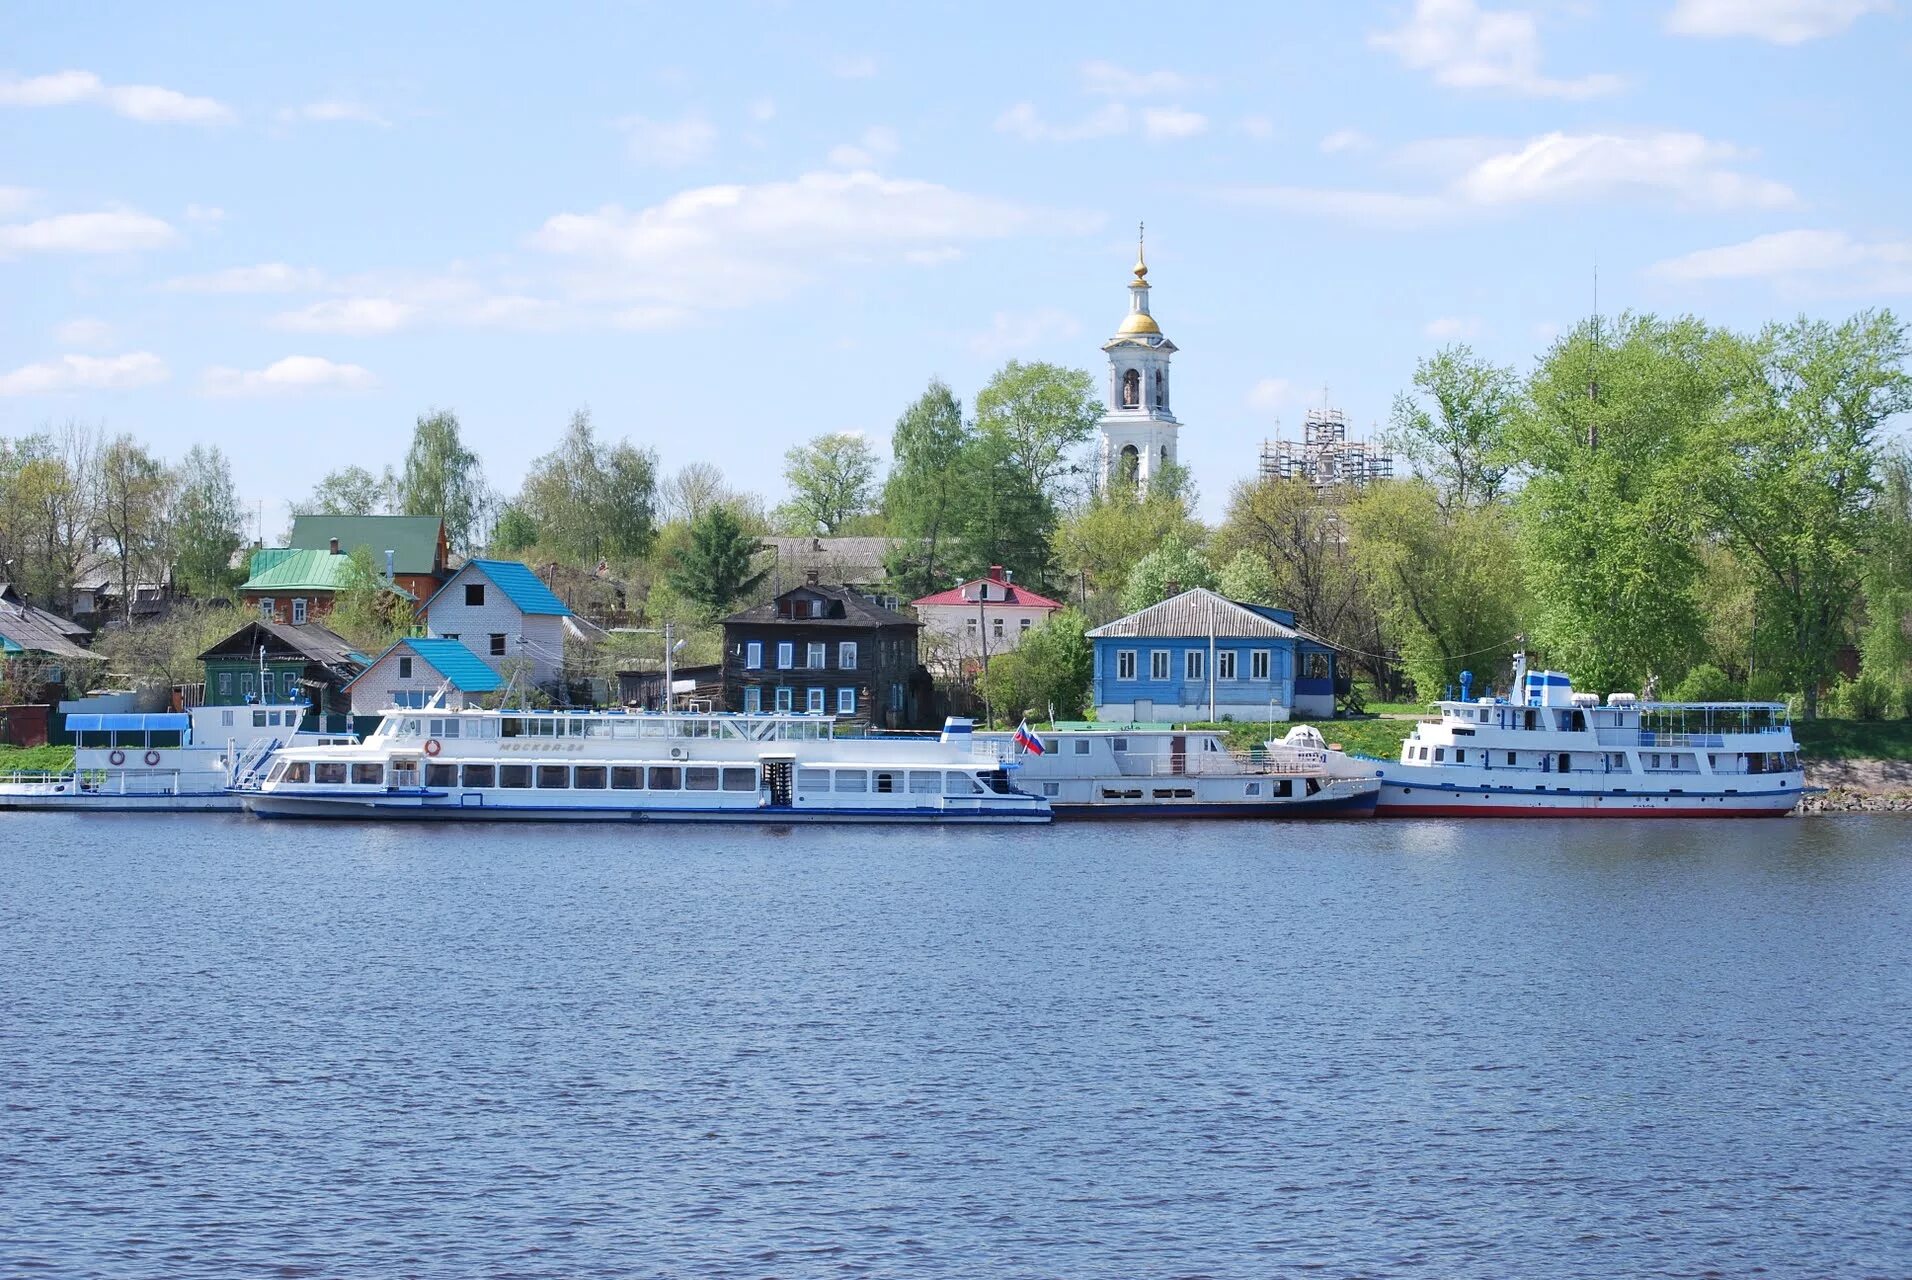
{"points": [[1138, 432]]}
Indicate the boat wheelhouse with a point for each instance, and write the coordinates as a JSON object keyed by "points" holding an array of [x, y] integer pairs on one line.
{"points": [[1558, 752], [1176, 773], [164, 761], [518, 765]]}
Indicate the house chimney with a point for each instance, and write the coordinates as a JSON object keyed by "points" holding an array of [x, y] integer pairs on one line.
{"points": [[995, 573], [335, 546], [391, 559], [810, 576], [1174, 588]]}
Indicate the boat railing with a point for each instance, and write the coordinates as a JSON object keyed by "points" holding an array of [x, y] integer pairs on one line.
{"points": [[1654, 738], [100, 782]]}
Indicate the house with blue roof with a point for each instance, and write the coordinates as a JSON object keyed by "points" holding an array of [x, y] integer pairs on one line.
{"points": [[506, 615], [413, 671], [1201, 656]]}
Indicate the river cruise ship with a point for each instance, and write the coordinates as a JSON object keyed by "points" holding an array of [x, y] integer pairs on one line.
{"points": [[171, 761], [1558, 753], [1175, 773], [569, 766]]}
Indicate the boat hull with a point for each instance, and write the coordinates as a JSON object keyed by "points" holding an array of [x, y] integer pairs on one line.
{"points": [[66, 795], [1359, 804], [1449, 800], [405, 809]]}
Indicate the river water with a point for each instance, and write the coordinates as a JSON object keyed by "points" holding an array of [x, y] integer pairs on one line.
{"points": [[236, 1048]]}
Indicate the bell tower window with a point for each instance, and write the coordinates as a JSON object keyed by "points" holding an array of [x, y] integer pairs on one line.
{"points": [[1131, 389], [1130, 464], [1161, 389]]}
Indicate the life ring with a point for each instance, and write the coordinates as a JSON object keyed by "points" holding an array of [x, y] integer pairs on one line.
{"points": [[152, 758], [118, 756], [431, 747]]}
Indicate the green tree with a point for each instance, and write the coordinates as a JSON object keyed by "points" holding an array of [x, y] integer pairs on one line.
{"points": [[712, 569], [366, 610], [514, 532], [1247, 578], [134, 493], [832, 482], [929, 487], [691, 491], [1609, 523], [1446, 583], [1047, 676], [443, 478], [1885, 647], [1173, 567], [1791, 473], [591, 501], [1455, 428], [1104, 539], [207, 524], [1040, 415], [350, 491]]}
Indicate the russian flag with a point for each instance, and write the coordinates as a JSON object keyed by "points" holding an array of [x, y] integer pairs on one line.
{"points": [[1028, 741]]}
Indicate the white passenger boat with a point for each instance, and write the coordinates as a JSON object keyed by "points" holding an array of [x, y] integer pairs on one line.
{"points": [[1554, 752], [172, 761], [437, 765], [1116, 773]]}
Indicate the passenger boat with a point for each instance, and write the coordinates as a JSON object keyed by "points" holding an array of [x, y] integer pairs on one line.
{"points": [[175, 761], [440, 764], [1558, 753], [1110, 773]]}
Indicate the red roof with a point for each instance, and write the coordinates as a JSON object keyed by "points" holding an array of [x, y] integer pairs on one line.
{"points": [[1006, 595]]}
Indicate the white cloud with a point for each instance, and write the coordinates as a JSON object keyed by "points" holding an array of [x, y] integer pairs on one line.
{"points": [[1775, 21], [1682, 169], [1111, 81], [288, 376], [853, 67], [335, 111], [1346, 140], [1801, 261], [1467, 47], [143, 102], [83, 331], [1449, 327], [354, 316], [1024, 121], [877, 143], [729, 246], [1172, 122], [1271, 394], [85, 373], [1018, 332], [267, 277], [669, 142], [114, 231], [16, 199]]}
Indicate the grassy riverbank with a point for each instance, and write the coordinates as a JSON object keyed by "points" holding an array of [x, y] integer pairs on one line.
{"points": [[42, 759]]}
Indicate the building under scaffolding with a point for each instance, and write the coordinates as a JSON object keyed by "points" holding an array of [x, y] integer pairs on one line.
{"points": [[1324, 456]]}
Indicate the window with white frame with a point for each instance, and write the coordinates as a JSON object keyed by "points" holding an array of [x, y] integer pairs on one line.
{"points": [[1258, 665], [785, 698], [846, 702], [813, 656], [753, 656], [1024, 625], [298, 612], [995, 628], [265, 608], [1158, 664], [404, 668], [1195, 664], [753, 699], [786, 655], [846, 655], [813, 701], [1125, 664], [1225, 665], [969, 625]]}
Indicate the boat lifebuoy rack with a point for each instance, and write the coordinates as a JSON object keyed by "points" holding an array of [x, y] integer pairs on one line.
{"points": [[152, 759], [118, 756], [432, 747]]}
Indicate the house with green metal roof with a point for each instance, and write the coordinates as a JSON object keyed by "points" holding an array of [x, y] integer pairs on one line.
{"points": [[412, 551], [298, 586], [510, 618], [414, 671]]}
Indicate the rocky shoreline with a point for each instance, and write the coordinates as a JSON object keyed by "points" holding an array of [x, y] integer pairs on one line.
{"points": [[1859, 786]]}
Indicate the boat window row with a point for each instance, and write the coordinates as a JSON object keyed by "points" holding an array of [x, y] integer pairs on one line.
{"points": [[535, 777], [921, 782], [127, 738]]}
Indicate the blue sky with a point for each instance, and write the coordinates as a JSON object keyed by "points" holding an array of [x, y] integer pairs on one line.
{"points": [[726, 229]]}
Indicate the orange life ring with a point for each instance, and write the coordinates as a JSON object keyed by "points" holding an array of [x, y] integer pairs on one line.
{"points": [[431, 747], [118, 756], [152, 758]]}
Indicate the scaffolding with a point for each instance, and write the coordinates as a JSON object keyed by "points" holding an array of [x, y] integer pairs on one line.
{"points": [[1324, 456]]}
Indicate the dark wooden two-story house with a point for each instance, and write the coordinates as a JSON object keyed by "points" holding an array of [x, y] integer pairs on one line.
{"points": [[827, 650]]}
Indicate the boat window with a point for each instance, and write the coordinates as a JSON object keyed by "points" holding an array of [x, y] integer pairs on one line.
{"points": [[258, 719], [960, 784], [1460, 755], [1566, 762], [515, 776], [924, 783], [1285, 788], [700, 778], [480, 775], [627, 777], [1254, 789], [1052, 788], [1121, 744], [164, 738], [368, 775], [1082, 746], [408, 728], [451, 729], [554, 777], [441, 775], [852, 780], [329, 772], [298, 771], [590, 777], [597, 728], [511, 727], [576, 727], [813, 780], [666, 777], [1510, 757], [740, 779], [885, 784], [1440, 753], [624, 729]]}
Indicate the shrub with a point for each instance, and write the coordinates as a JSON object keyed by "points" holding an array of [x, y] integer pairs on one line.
{"points": [[1706, 683], [1869, 697]]}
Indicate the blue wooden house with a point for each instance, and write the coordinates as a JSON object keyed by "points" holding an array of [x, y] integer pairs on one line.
{"points": [[1201, 656]]}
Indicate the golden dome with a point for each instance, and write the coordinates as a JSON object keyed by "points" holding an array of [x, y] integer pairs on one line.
{"points": [[1139, 322]]}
